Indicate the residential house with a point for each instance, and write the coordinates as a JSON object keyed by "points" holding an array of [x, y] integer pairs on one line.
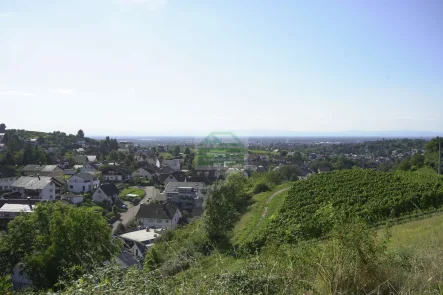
{"points": [[31, 141], [1, 137], [80, 159], [202, 179], [90, 167], [142, 173], [236, 170], [154, 170], [91, 158], [11, 211], [81, 142], [126, 259], [166, 169], [71, 198], [212, 174], [176, 176], [106, 193], [40, 187], [261, 169], [115, 174], [304, 171], [126, 144], [139, 241], [174, 164], [164, 216], [69, 171], [80, 151], [2, 147], [7, 178], [43, 170], [162, 148], [62, 163], [153, 162], [82, 183], [186, 195]]}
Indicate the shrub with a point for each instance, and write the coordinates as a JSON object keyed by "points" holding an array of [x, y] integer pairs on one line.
{"points": [[174, 266], [260, 187]]}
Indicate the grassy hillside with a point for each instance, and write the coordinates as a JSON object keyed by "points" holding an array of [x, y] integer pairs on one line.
{"points": [[259, 213], [314, 206], [426, 170], [350, 261]]}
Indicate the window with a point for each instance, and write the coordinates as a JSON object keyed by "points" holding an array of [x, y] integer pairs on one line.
{"points": [[50, 190], [71, 186], [159, 221]]}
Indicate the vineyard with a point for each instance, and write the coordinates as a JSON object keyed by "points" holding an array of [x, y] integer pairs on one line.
{"points": [[314, 206]]}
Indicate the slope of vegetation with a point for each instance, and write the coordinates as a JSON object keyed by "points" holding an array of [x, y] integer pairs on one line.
{"points": [[314, 206], [353, 258], [259, 213], [426, 170]]}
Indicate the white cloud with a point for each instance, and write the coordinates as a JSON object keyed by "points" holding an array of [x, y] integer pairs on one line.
{"points": [[15, 93], [63, 91], [150, 4]]}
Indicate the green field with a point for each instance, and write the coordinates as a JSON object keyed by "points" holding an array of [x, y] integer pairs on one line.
{"points": [[260, 152], [132, 190], [418, 234]]}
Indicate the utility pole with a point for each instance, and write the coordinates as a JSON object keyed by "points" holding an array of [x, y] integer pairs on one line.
{"points": [[439, 156]]}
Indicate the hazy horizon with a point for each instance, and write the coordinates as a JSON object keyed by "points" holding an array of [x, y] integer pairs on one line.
{"points": [[174, 67]]}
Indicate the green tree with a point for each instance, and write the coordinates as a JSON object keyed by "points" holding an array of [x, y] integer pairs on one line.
{"points": [[80, 134], [223, 205], [187, 151], [129, 161], [5, 285], [288, 171], [41, 140], [113, 156], [176, 150], [2, 128], [114, 210], [121, 156], [8, 158], [54, 238]]}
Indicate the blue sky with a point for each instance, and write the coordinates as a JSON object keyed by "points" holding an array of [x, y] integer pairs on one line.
{"points": [[140, 67]]}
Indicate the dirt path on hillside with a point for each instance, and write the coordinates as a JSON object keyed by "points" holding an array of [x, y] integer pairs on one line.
{"points": [[265, 210]]}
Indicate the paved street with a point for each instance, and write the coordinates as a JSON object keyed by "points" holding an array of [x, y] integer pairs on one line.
{"points": [[129, 216]]}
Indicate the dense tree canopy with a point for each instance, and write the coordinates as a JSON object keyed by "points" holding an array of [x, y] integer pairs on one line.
{"points": [[2, 127], [222, 206], [80, 134], [55, 238]]}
